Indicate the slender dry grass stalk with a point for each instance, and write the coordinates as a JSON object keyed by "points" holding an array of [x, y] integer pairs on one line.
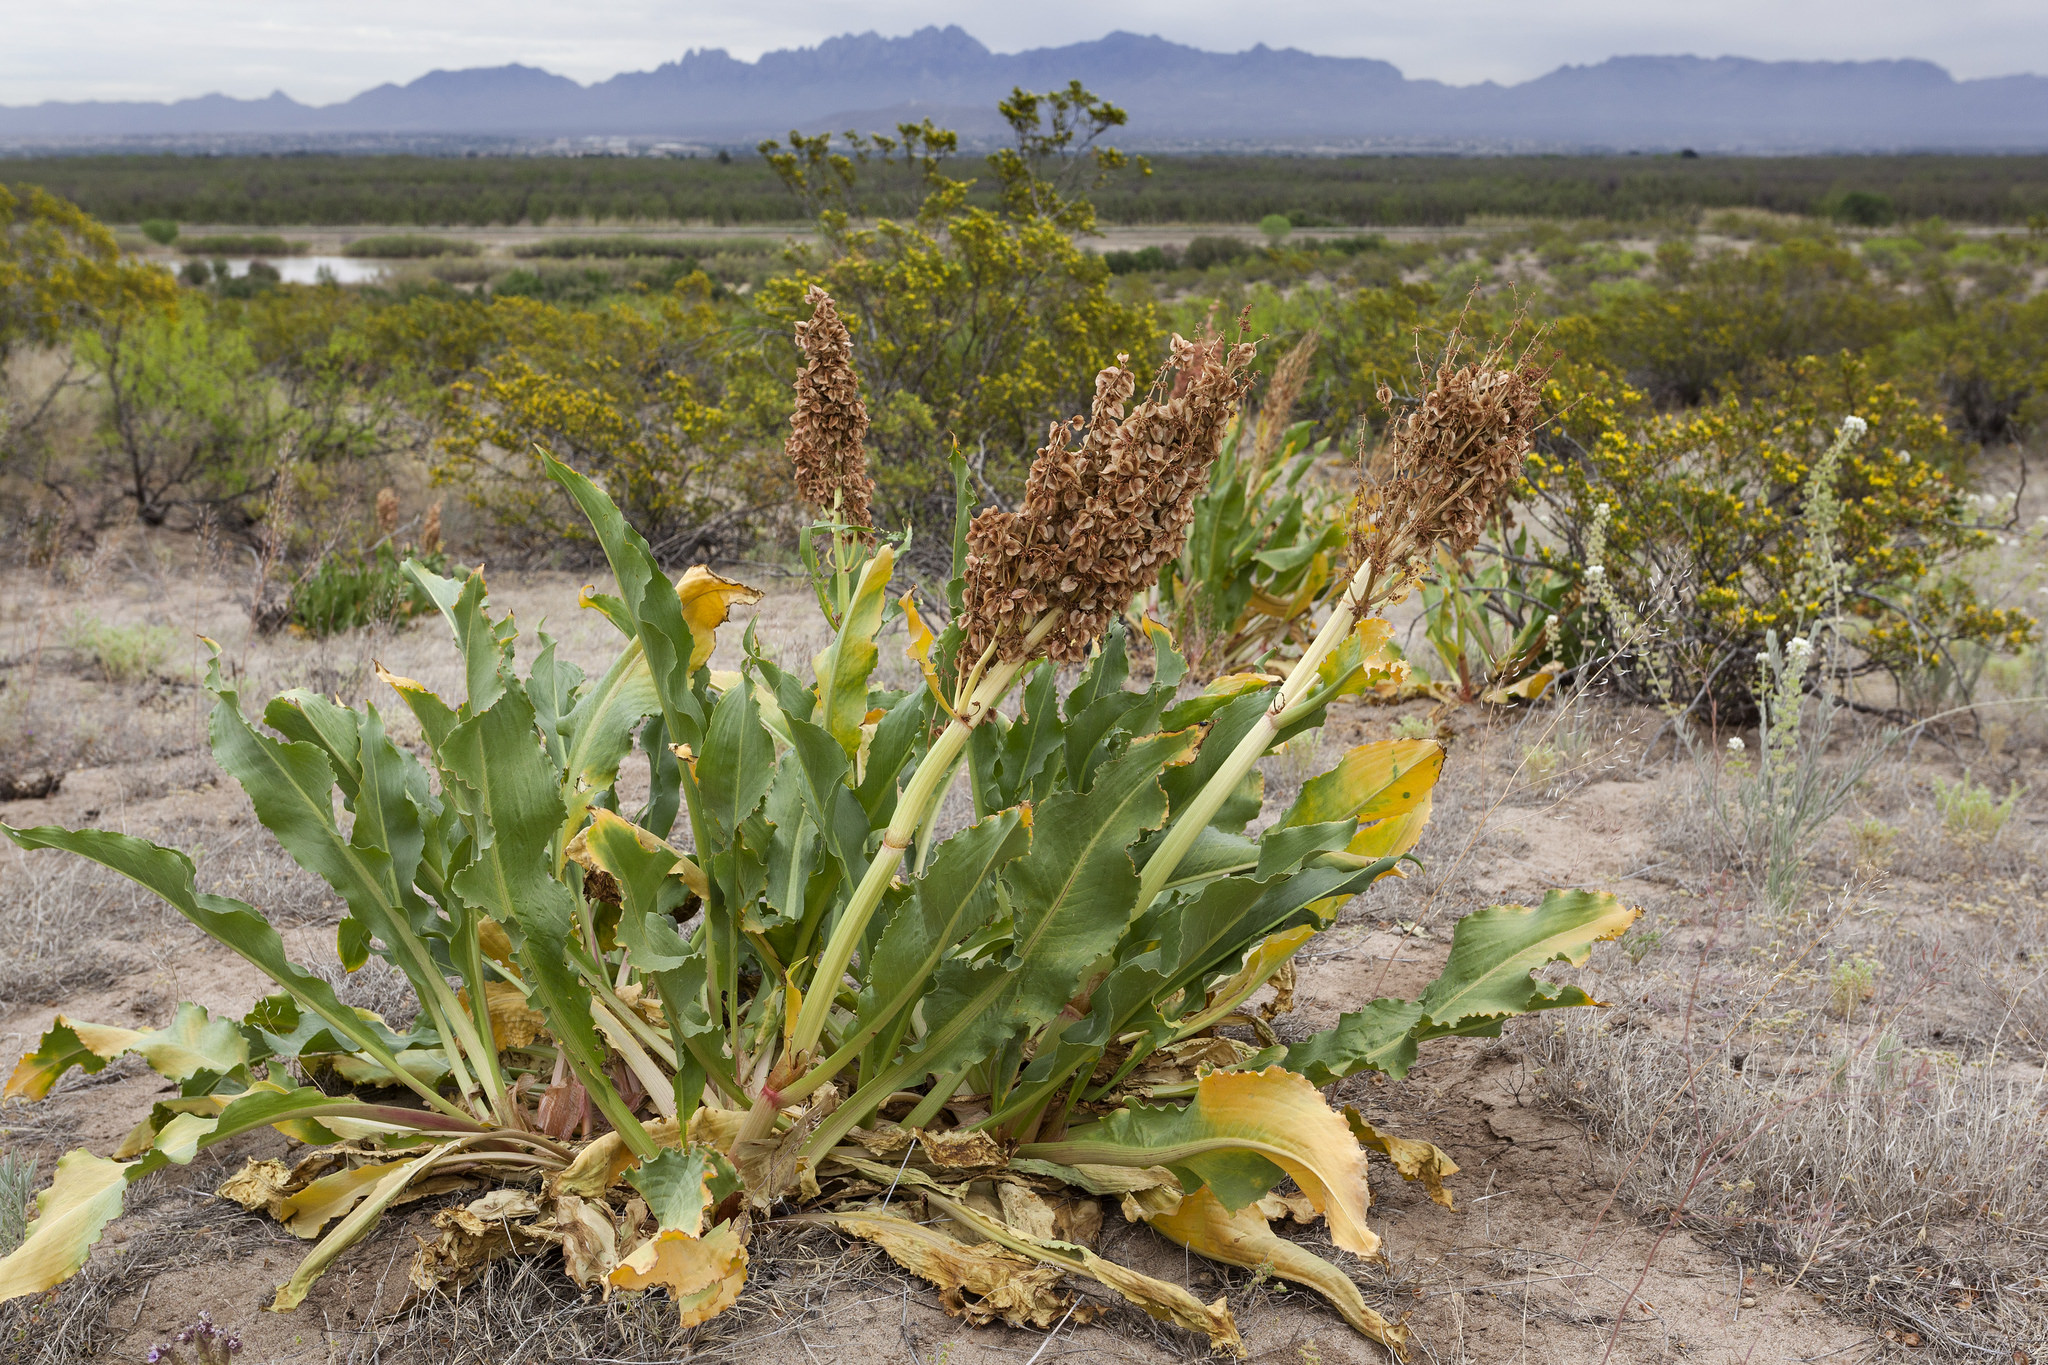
{"points": [[830, 421], [1290, 377], [1101, 520], [1445, 465]]}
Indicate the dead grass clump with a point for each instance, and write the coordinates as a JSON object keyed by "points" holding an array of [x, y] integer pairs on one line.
{"points": [[527, 1309], [57, 915], [1907, 1189]]}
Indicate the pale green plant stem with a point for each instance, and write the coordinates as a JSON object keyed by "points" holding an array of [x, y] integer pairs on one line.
{"points": [[922, 793], [1195, 817]]}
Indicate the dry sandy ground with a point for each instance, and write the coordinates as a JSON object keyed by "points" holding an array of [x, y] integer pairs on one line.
{"points": [[1540, 1263]]}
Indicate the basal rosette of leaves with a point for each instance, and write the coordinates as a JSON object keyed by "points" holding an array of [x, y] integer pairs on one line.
{"points": [[773, 990], [1706, 533]]}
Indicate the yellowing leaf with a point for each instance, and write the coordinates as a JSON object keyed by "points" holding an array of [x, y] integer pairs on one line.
{"points": [[1494, 951], [920, 648], [83, 1198], [1241, 1126], [703, 1274], [1528, 688], [1371, 782], [708, 600], [579, 852], [980, 1284], [191, 1043], [1264, 959], [1202, 1224], [514, 1023], [329, 1197], [1413, 1158], [843, 667], [1161, 1300]]}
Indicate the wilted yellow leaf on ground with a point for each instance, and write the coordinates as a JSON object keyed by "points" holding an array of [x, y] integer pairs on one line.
{"points": [[1413, 1158], [703, 1274], [1203, 1225], [980, 1284], [81, 1201]]}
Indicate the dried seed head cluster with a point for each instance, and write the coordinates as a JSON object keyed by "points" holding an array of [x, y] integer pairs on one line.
{"points": [[387, 510], [430, 529], [1101, 519], [1290, 377], [830, 420], [1446, 464]]}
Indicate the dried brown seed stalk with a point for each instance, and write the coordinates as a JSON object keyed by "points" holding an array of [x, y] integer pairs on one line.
{"points": [[1290, 377], [1101, 518], [1445, 466], [387, 510], [830, 420]]}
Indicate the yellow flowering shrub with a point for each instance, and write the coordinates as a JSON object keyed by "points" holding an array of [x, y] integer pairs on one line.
{"points": [[631, 395], [1706, 543]]}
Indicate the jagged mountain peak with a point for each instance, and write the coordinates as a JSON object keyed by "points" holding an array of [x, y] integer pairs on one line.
{"points": [[1175, 94]]}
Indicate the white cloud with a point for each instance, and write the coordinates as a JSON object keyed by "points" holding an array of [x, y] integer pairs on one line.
{"points": [[319, 53]]}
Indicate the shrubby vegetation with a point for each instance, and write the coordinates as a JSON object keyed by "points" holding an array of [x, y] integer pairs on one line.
{"points": [[1309, 191], [1709, 364]]}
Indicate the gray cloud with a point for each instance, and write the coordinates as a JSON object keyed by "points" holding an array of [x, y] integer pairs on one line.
{"points": [[319, 53]]}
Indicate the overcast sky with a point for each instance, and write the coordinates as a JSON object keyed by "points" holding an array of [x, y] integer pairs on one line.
{"points": [[322, 52]]}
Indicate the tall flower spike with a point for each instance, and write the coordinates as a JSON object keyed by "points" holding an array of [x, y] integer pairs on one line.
{"points": [[1290, 377], [1447, 463], [1101, 519], [830, 420]]}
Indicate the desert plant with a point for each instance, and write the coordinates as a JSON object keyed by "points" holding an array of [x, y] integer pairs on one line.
{"points": [[765, 1004], [1705, 531], [348, 590], [1972, 813], [1497, 630], [1871, 844], [121, 654], [17, 1198], [1262, 551]]}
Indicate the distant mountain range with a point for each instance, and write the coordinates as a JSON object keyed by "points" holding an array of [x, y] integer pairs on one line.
{"points": [[1176, 95]]}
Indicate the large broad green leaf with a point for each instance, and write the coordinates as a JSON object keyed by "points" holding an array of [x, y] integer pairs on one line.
{"points": [[598, 733], [843, 667], [953, 899], [486, 644], [737, 764], [81, 1201], [333, 728], [1380, 1037], [650, 599], [506, 787], [232, 923], [1241, 1133], [1487, 980], [1495, 950], [1072, 896], [643, 867], [191, 1044], [291, 786]]}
